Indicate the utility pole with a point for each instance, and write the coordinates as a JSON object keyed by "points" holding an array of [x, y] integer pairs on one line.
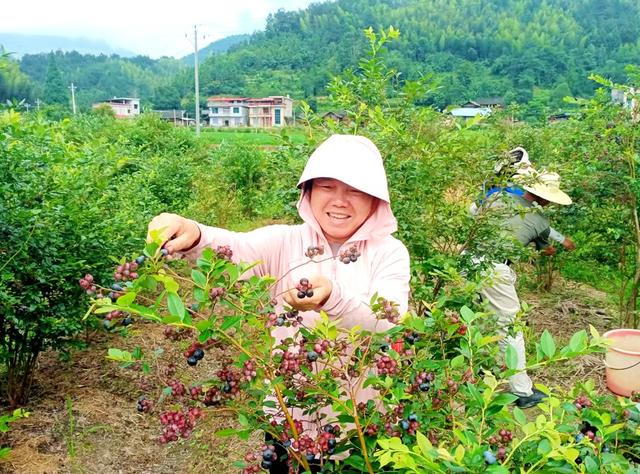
{"points": [[73, 97], [37, 104], [195, 56]]}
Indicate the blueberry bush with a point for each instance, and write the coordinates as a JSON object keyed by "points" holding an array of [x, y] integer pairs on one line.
{"points": [[439, 399]]}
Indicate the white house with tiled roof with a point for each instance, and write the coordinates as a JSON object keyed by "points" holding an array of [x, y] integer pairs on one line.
{"points": [[272, 111], [123, 107]]}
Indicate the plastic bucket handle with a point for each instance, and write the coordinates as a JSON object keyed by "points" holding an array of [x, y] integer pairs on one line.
{"points": [[621, 368]]}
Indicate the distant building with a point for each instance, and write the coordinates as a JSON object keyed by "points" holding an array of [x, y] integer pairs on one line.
{"points": [[629, 99], [336, 116], [491, 102], [123, 107], [469, 112], [560, 117], [175, 116], [272, 111]]}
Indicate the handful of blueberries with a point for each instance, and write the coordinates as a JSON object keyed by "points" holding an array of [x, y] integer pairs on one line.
{"points": [[305, 289]]}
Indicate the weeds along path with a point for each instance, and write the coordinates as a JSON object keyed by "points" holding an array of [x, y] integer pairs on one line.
{"points": [[84, 417]]}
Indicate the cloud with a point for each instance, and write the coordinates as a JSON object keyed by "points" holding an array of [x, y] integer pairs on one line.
{"points": [[155, 28]]}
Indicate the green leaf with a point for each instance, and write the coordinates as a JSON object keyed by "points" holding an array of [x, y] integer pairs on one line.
{"points": [[126, 299], [504, 399], [243, 420], [519, 416], [544, 447], [230, 321], [175, 305], [198, 277], [424, 444], [547, 343], [200, 295], [511, 358], [226, 432], [467, 315], [457, 361], [578, 341]]}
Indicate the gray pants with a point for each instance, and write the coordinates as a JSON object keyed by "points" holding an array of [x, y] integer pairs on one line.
{"points": [[501, 297]]}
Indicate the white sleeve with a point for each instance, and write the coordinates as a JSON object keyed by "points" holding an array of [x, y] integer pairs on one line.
{"points": [[555, 235]]}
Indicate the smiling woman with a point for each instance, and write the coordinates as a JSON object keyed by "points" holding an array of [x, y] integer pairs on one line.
{"points": [[339, 208], [344, 205]]}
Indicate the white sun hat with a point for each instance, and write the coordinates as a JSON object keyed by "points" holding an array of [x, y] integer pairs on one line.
{"points": [[544, 184], [352, 159]]}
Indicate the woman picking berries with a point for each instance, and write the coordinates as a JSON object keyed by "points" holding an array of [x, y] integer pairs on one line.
{"points": [[346, 213]]}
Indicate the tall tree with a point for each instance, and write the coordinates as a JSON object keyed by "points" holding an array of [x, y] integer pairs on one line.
{"points": [[55, 90]]}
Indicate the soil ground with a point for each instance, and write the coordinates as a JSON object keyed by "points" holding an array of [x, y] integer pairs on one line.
{"points": [[83, 411]]}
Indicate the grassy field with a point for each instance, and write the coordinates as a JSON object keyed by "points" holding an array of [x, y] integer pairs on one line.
{"points": [[252, 136]]}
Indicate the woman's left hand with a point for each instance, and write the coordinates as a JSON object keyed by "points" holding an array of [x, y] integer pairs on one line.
{"points": [[321, 287]]}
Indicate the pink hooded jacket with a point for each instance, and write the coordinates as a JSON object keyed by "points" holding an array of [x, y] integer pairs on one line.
{"points": [[383, 266]]}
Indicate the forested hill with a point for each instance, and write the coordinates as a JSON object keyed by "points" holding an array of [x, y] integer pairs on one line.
{"points": [[481, 47], [535, 51]]}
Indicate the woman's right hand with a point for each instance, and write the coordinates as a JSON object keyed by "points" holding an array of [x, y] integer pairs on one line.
{"points": [[177, 232]]}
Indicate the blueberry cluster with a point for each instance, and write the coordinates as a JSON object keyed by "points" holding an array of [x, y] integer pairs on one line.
{"points": [[388, 310], [268, 456], [582, 402], [422, 382], [231, 381], [111, 316], [411, 337], [216, 293], [291, 363], [386, 366], [86, 283], [224, 252], [349, 255], [305, 288], [127, 271], [313, 251], [454, 319], [177, 388], [144, 405], [248, 371], [179, 423], [410, 424], [588, 431], [290, 318]]}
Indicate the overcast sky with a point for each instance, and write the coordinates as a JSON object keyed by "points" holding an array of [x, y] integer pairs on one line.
{"points": [[154, 28]]}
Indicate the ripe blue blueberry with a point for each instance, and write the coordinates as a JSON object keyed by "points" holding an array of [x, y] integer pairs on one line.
{"points": [[116, 287], [489, 457], [267, 455], [266, 464], [140, 260], [126, 321], [310, 457], [312, 356], [198, 354], [424, 386], [192, 361], [106, 323], [579, 437], [404, 424], [164, 252], [280, 322], [413, 417]]}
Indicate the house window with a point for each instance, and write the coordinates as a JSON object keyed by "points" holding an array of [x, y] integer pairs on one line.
{"points": [[277, 117], [214, 110], [135, 106], [236, 110]]}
